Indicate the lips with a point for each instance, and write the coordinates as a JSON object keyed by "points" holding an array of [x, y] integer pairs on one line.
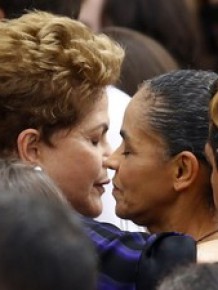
{"points": [[115, 185], [100, 185], [116, 190], [100, 189]]}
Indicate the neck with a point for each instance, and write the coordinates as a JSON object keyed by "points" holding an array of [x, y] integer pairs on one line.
{"points": [[197, 223], [212, 235], [190, 213]]}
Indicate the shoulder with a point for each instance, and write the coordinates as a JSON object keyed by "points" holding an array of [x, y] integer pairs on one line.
{"points": [[140, 258], [109, 233], [161, 255]]}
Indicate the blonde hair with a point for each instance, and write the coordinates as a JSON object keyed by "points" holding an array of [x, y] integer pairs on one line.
{"points": [[53, 70]]}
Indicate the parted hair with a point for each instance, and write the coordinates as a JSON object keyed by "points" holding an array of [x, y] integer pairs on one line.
{"points": [[53, 70], [179, 109]]}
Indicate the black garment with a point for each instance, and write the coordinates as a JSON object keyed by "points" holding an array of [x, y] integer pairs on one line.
{"points": [[130, 261]]}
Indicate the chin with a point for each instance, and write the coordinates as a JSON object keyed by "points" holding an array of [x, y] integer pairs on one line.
{"points": [[92, 212], [121, 213], [95, 210], [89, 210]]}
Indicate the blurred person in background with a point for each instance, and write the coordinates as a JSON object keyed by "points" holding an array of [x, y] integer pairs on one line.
{"points": [[42, 244], [144, 58], [172, 23], [15, 8], [194, 277]]}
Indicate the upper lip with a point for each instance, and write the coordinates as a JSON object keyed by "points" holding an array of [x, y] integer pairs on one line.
{"points": [[103, 182]]}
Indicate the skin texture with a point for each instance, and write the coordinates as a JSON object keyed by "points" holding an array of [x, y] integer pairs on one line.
{"points": [[76, 162], [141, 171], [214, 173], [207, 251], [153, 187], [52, 102]]}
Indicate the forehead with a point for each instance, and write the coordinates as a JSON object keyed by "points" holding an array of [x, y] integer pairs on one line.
{"points": [[98, 114], [136, 123]]}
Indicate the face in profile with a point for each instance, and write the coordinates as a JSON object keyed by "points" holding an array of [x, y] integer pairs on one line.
{"points": [[214, 175], [76, 162], [142, 182]]}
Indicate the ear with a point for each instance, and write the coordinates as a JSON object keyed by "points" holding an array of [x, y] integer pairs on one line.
{"points": [[28, 145], [185, 171]]}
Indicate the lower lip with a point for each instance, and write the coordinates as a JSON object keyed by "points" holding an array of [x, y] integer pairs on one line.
{"points": [[115, 192]]}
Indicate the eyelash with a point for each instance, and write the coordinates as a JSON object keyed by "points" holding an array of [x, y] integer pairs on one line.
{"points": [[126, 153], [95, 142]]}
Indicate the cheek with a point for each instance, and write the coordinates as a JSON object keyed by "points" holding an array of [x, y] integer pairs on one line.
{"points": [[92, 166], [145, 181], [131, 176]]}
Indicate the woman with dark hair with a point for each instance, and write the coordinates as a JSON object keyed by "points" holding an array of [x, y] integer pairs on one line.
{"points": [[162, 178]]}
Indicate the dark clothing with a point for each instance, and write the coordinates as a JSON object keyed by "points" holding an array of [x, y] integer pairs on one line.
{"points": [[130, 261]]}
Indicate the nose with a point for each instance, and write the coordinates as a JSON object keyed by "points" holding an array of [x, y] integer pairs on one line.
{"points": [[112, 162], [107, 150]]}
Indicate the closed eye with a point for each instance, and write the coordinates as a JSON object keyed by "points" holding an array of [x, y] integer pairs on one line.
{"points": [[95, 142], [126, 153]]}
